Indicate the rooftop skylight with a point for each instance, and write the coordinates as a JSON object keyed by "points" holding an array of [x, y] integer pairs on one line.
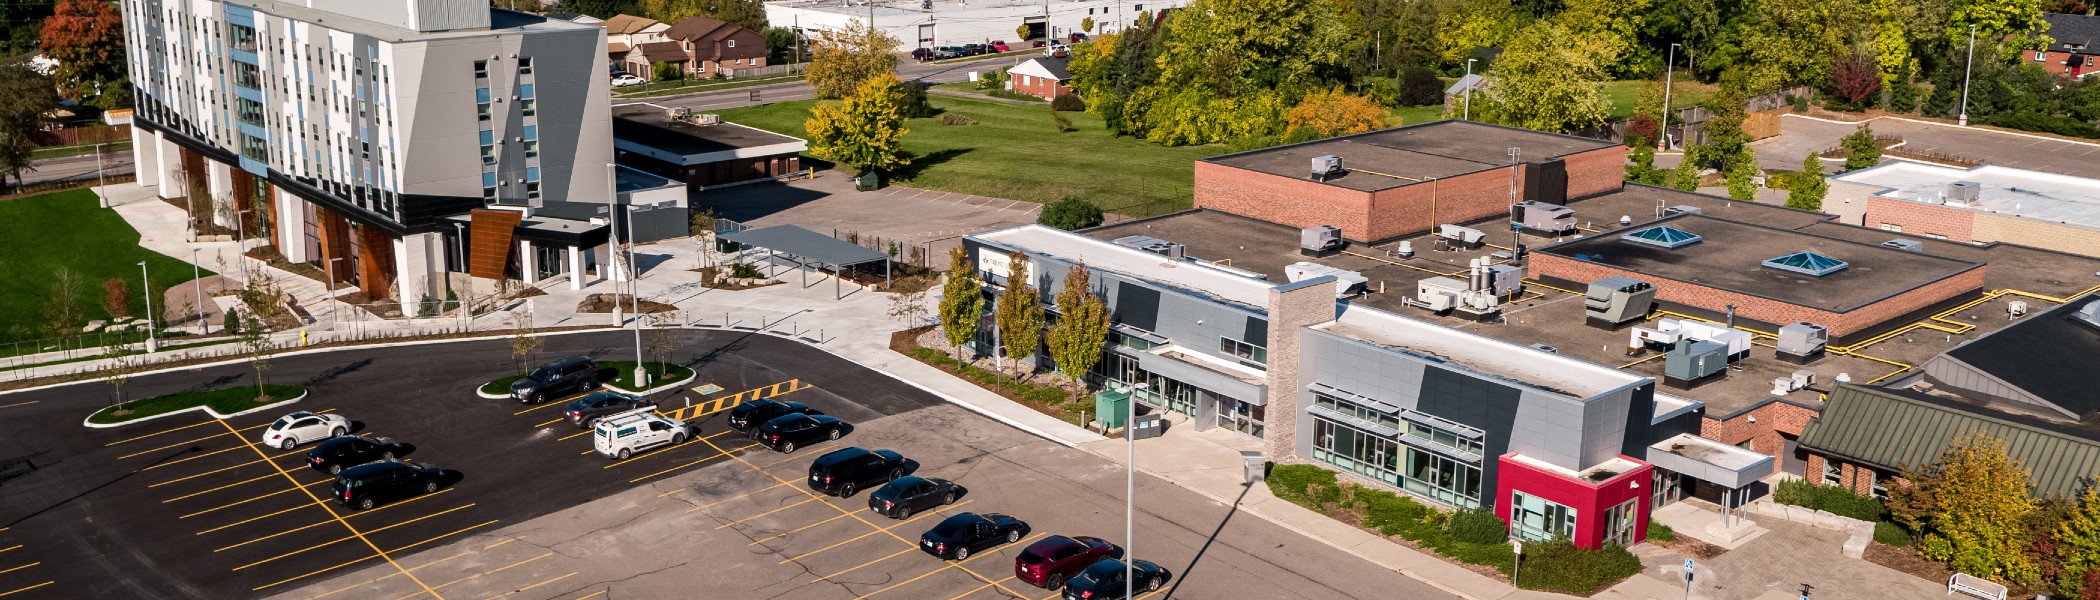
{"points": [[1807, 263], [1662, 235]]}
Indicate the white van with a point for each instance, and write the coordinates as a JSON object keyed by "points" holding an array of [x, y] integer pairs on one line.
{"points": [[621, 435]]}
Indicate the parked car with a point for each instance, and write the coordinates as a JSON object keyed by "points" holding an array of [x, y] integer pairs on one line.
{"points": [[958, 536], [840, 472], [1038, 44], [1048, 562], [364, 486], [973, 49], [1104, 580], [922, 54], [786, 432], [340, 453], [747, 417], [1078, 37], [584, 411], [907, 495], [300, 427], [621, 435], [624, 80], [565, 376], [947, 52], [999, 46], [1057, 50]]}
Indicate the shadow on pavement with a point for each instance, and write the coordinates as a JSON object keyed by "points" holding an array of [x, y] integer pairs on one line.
{"points": [[1185, 571]]}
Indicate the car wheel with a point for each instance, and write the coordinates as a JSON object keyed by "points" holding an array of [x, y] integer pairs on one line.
{"points": [[846, 491], [904, 513], [1013, 535], [430, 487], [337, 432], [386, 456], [335, 469], [896, 473], [787, 448], [590, 422], [624, 453], [365, 504], [948, 499], [288, 443], [834, 435], [962, 553], [1054, 582], [677, 438], [1152, 584]]}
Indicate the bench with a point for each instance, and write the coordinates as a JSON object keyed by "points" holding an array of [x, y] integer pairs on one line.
{"points": [[1975, 586]]}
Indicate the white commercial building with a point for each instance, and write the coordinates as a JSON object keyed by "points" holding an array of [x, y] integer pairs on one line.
{"points": [[953, 23], [1979, 205]]}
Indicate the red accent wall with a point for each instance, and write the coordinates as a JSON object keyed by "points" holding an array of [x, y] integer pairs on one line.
{"points": [[1765, 309], [1918, 218], [1589, 500]]}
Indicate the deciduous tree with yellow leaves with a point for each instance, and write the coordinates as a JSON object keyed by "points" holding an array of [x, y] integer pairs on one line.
{"points": [[866, 131]]}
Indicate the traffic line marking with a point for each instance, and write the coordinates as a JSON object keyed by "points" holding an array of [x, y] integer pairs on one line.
{"points": [[21, 404], [532, 586], [746, 519], [233, 504], [551, 403], [320, 523], [716, 405], [331, 512], [264, 459], [556, 420], [260, 478], [694, 462], [736, 497], [21, 567], [181, 460], [389, 576], [858, 567], [952, 565], [788, 532], [876, 531], [10, 547], [351, 537], [488, 572], [10, 593]]}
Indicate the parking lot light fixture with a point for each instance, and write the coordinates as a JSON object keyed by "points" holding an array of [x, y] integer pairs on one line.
{"points": [[197, 278], [1130, 492], [146, 279]]}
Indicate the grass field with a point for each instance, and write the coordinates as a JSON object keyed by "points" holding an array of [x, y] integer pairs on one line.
{"points": [[225, 401], [39, 234], [1684, 93]]}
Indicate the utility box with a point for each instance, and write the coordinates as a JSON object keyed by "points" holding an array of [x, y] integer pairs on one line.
{"points": [[1692, 363], [1257, 466], [1802, 343], [1147, 427], [1544, 218], [867, 182], [1110, 407], [1320, 241], [1614, 301], [1505, 281]]}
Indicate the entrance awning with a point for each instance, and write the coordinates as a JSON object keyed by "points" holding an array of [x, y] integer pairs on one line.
{"points": [[1193, 368], [1710, 461]]}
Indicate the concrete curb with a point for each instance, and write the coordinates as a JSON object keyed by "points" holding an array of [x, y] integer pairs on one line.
{"points": [[303, 393], [1920, 122], [660, 388], [951, 399]]}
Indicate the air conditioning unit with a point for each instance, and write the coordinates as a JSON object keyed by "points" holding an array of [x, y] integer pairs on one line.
{"points": [[1905, 245], [1964, 193], [1326, 166], [1320, 241]]}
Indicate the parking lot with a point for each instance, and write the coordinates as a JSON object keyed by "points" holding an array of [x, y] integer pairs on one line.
{"points": [[189, 507]]}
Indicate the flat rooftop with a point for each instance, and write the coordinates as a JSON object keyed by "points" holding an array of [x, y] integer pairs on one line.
{"points": [[2044, 354], [2003, 190], [1731, 253], [1538, 369], [1193, 277], [500, 21], [1401, 156], [626, 179], [652, 126]]}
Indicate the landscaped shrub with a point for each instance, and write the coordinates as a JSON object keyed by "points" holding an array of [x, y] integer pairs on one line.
{"points": [[233, 322], [2028, 121], [1836, 500], [1070, 213], [1658, 532], [949, 118], [1420, 87], [915, 105], [1393, 514], [1560, 566], [1068, 103], [1799, 103], [1291, 482], [745, 271], [1479, 526], [1891, 534]]}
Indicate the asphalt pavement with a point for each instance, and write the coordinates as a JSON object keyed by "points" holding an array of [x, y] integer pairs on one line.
{"points": [[52, 169]]}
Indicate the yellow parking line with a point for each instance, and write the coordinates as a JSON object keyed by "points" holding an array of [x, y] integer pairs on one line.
{"points": [[233, 504], [21, 567], [320, 523], [490, 522], [951, 565], [558, 420], [593, 595], [21, 404], [324, 570], [389, 576], [10, 593], [10, 547], [488, 572], [181, 460], [260, 478], [331, 512], [695, 462], [348, 538], [505, 541], [154, 434], [856, 568], [173, 445], [552, 403], [573, 436], [736, 497], [532, 586], [251, 519], [876, 531], [747, 519], [975, 589], [651, 452], [788, 532], [221, 469]]}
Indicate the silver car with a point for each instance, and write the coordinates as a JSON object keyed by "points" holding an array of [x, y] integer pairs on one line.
{"points": [[301, 427]]}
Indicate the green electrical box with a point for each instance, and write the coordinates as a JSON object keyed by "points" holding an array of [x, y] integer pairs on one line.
{"points": [[867, 181], [1111, 407]]}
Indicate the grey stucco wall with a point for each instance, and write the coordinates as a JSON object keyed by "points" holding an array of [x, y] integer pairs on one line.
{"points": [[1191, 322]]}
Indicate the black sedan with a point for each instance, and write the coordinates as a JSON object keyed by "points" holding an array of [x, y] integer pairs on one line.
{"points": [[748, 416], [906, 495], [584, 411], [785, 433], [1104, 580], [960, 535], [347, 451]]}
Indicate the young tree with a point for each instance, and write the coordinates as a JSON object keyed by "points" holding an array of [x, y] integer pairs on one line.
{"points": [[866, 132], [703, 229], [121, 366], [1982, 497], [666, 72], [962, 300], [1740, 175], [116, 298], [1548, 79], [86, 37], [523, 342], [1865, 151], [1082, 328], [2078, 547], [1019, 311], [908, 300], [1087, 24], [1806, 191], [748, 14], [24, 98], [1022, 32], [1419, 86], [1070, 213], [255, 339], [1334, 112], [1685, 176], [660, 340], [1857, 80], [62, 315], [841, 61]]}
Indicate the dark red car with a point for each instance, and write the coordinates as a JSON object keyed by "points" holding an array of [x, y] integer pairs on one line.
{"points": [[1049, 562], [1000, 46]]}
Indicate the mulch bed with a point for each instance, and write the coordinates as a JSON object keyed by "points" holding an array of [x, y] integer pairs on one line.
{"points": [[1689, 546], [603, 303], [707, 280], [1908, 561], [906, 341]]}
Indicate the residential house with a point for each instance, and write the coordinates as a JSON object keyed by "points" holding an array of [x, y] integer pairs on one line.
{"points": [[1042, 77], [2071, 54], [574, 17], [625, 32], [712, 46], [1456, 94], [642, 59]]}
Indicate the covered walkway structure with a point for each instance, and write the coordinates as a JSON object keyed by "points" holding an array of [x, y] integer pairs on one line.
{"points": [[810, 249]]}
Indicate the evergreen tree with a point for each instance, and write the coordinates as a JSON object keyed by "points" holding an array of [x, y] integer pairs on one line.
{"points": [[1807, 189]]}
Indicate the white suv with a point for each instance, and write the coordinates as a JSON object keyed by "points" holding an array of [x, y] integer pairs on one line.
{"points": [[618, 436], [299, 427]]}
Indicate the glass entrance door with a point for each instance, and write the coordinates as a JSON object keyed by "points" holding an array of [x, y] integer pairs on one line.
{"points": [[1239, 416], [547, 260]]}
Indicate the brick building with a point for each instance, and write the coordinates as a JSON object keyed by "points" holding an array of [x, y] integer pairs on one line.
{"points": [[699, 151], [712, 46], [1043, 77], [1982, 205], [2071, 53]]}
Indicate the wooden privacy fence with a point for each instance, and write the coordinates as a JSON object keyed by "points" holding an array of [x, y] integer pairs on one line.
{"points": [[74, 136]]}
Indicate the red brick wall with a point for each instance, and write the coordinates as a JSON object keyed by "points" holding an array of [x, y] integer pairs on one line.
{"points": [[1278, 199], [1764, 435], [1763, 309], [1596, 171], [1418, 207], [1918, 218], [1856, 478], [1039, 87]]}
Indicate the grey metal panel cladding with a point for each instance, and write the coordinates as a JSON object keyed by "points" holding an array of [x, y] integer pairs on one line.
{"points": [[1137, 306], [1604, 426], [572, 135], [1256, 332], [1488, 405], [1204, 378], [1549, 428]]}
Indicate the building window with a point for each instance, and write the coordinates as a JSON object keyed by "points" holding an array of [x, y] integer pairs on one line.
{"points": [[2039, 56], [1833, 473], [488, 147], [481, 68], [732, 43], [526, 107], [1444, 437], [1243, 350], [1892, 227], [532, 173], [1881, 484], [1538, 519], [532, 132], [488, 185], [532, 149], [524, 66], [1618, 524], [1359, 411]]}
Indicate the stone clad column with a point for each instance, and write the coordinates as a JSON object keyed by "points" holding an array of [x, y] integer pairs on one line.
{"points": [[1292, 307]]}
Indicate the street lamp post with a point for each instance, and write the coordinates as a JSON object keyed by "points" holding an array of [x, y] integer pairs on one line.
{"points": [[1467, 114], [98, 175], [634, 287], [1130, 493], [459, 233], [1662, 138], [197, 277], [152, 339], [1965, 71], [333, 316]]}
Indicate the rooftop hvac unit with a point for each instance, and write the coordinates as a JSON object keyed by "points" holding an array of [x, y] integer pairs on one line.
{"points": [[1905, 245], [1504, 281], [1347, 283], [1320, 241], [1964, 193], [2090, 313], [1684, 209], [1544, 218], [1694, 362], [1617, 300], [1461, 236], [1154, 245], [678, 113], [1801, 343], [1326, 166], [1737, 341]]}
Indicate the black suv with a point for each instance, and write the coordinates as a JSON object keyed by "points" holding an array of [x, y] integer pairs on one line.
{"points": [[747, 417], [584, 411], [343, 452], [842, 472], [907, 495], [574, 374], [363, 486], [784, 433], [962, 534]]}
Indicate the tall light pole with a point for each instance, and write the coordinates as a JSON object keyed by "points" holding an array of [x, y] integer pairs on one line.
{"points": [[1130, 494], [634, 287], [1467, 114], [1965, 70], [98, 175], [197, 277], [1662, 138], [612, 216], [459, 235], [152, 339]]}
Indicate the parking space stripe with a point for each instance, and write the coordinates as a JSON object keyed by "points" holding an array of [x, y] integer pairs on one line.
{"points": [[10, 547], [573, 435], [593, 595], [264, 459], [695, 462], [331, 512], [488, 572], [10, 593], [954, 564], [251, 519], [182, 460], [858, 567], [736, 497], [389, 576], [490, 522], [177, 444], [788, 532], [746, 519], [556, 420], [260, 478], [318, 524], [552, 403], [154, 434], [350, 537], [876, 531], [21, 567], [237, 503], [21, 404], [975, 589], [532, 586], [306, 575]]}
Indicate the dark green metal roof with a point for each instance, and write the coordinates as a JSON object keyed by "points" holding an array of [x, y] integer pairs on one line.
{"points": [[1894, 430]]}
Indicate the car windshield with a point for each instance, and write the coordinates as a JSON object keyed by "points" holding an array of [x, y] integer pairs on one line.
{"points": [[541, 374]]}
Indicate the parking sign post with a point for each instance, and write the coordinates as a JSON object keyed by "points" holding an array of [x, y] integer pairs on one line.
{"points": [[1688, 566]]}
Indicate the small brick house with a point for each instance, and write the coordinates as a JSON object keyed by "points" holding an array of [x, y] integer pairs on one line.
{"points": [[1043, 77], [2072, 53], [712, 46]]}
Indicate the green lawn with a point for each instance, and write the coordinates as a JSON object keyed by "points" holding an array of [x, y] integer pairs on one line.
{"points": [[500, 387], [1016, 152], [1415, 115], [1623, 95], [39, 234], [225, 400], [664, 88]]}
